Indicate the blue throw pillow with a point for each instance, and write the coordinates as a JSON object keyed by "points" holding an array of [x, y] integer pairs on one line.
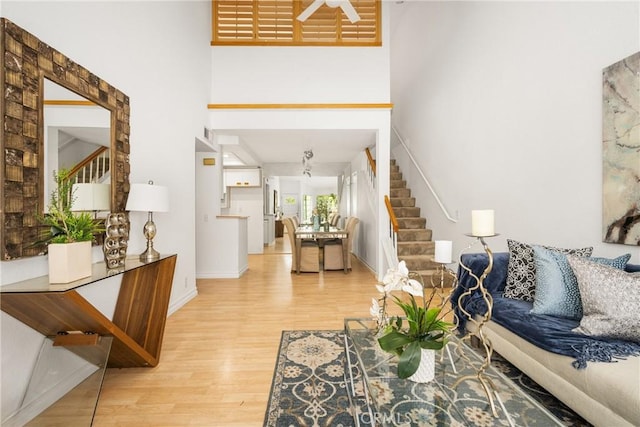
{"points": [[557, 291]]}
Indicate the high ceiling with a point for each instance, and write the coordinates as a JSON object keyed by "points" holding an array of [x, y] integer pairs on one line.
{"points": [[259, 147]]}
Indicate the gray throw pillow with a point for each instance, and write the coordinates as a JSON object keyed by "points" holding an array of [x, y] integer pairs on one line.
{"points": [[610, 300], [521, 270], [557, 292]]}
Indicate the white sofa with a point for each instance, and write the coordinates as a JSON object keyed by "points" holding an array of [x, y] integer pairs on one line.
{"points": [[605, 394]]}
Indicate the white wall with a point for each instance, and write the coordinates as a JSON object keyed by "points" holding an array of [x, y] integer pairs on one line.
{"points": [[300, 74], [158, 54], [248, 202], [501, 106]]}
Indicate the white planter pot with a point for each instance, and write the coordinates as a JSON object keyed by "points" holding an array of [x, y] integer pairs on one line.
{"points": [[427, 368], [69, 261]]}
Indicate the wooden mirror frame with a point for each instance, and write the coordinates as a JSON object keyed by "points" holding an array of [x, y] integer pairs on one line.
{"points": [[26, 62]]}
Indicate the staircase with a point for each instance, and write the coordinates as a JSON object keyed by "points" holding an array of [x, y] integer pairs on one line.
{"points": [[94, 168], [415, 246]]}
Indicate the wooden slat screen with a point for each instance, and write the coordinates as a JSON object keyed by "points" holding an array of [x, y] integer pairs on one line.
{"points": [[234, 20], [274, 23], [275, 20]]}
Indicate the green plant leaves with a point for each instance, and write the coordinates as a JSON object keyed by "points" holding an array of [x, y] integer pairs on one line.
{"points": [[394, 341], [64, 225], [409, 360]]}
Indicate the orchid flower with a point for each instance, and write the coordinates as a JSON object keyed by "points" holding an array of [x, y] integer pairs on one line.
{"points": [[413, 287], [375, 309], [426, 328]]}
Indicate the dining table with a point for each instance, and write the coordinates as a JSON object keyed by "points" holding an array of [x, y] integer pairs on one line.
{"points": [[304, 232]]}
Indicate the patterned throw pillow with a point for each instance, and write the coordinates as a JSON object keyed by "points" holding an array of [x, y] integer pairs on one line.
{"points": [[610, 300], [521, 270], [557, 292]]}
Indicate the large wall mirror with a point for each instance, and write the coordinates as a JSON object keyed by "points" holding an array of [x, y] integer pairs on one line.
{"points": [[53, 110]]}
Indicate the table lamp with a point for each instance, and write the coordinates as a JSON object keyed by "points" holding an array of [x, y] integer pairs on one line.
{"points": [[148, 198]]}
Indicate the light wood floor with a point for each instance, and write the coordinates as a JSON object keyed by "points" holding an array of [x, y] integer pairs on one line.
{"points": [[219, 350]]}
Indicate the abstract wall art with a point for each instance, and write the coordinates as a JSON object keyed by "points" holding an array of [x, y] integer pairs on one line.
{"points": [[621, 151]]}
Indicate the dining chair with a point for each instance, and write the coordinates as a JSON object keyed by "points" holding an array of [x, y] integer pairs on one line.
{"points": [[309, 251], [333, 256]]}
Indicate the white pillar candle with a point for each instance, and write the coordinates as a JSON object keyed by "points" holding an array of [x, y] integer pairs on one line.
{"points": [[443, 251], [482, 223]]}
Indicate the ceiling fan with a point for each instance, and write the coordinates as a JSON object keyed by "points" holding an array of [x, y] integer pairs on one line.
{"points": [[345, 5]]}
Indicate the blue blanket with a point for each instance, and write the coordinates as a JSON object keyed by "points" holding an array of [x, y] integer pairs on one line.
{"points": [[550, 333]]}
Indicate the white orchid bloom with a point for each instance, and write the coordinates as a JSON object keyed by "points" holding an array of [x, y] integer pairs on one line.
{"points": [[394, 279], [375, 309], [403, 270], [391, 277], [413, 287]]}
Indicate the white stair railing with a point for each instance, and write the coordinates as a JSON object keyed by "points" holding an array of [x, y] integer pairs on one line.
{"points": [[424, 178], [95, 170]]}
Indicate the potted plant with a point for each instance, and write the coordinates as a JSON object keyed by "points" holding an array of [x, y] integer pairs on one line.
{"points": [[69, 235], [426, 329]]}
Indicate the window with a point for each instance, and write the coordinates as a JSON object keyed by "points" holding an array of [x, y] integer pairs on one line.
{"points": [[307, 208], [274, 23]]}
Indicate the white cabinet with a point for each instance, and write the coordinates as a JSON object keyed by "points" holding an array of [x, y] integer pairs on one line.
{"points": [[242, 177]]}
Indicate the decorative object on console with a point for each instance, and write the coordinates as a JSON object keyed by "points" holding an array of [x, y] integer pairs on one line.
{"points": [[69, 235], [148, 198], [521, 272], [116, 240], [426, 328], [620, 156]]}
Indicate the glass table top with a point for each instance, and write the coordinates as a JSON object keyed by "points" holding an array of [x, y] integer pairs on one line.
{"points": [[401, 402]]}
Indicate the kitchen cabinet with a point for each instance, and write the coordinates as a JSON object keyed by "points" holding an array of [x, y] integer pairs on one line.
{"points": [[242, 177]]}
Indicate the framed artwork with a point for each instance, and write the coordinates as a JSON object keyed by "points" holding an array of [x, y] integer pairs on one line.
{"points": [[621, 151]]}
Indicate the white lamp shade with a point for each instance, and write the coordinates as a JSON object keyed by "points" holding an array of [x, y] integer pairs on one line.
{"points": [[148, 198], [91, 197], [443, 251]]}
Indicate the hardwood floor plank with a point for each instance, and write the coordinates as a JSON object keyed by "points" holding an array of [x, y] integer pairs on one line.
{"points": [[219, 350]]}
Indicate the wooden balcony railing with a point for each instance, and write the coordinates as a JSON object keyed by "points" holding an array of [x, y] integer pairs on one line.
{"points": [[92, 168]]}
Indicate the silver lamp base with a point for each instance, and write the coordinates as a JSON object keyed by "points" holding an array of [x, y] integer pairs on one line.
{"points": [[149, 254]]}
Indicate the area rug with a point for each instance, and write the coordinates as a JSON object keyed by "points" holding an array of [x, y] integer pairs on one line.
{"points": [[309, 389]]}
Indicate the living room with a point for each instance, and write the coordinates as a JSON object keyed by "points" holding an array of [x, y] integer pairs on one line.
{"points": [[499, 102]]}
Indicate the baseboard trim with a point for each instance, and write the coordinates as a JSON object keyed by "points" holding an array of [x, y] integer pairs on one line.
{"points": [[177, 305]]}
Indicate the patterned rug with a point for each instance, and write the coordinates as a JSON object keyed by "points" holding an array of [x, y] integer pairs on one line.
{"points": [[308, 387]]}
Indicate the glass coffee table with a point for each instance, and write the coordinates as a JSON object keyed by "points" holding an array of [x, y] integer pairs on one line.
{"points": [[380, 398]]}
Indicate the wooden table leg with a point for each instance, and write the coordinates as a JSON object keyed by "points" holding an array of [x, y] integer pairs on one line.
{"points": [[345, 254], [298, 250]]}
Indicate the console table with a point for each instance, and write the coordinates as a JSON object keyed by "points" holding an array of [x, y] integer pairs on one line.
{"points": [[140, 314]]}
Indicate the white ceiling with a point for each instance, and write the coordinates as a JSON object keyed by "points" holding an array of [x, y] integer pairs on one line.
{"points": [[257, 147]]}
